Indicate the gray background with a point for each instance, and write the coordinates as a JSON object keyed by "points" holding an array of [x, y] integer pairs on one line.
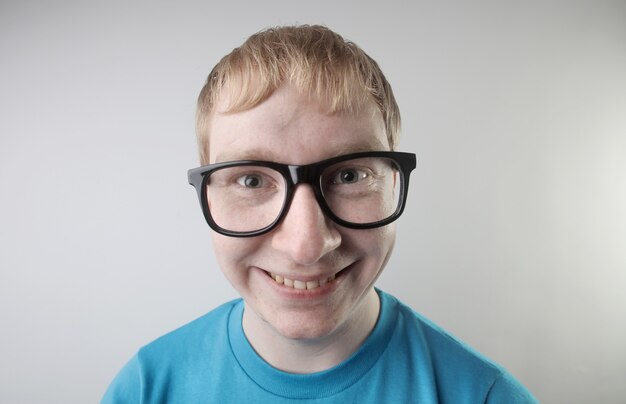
{"points": [[514, 238]]}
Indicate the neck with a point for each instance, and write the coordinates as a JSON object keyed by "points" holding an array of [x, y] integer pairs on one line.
{"points": [[313, 354]]}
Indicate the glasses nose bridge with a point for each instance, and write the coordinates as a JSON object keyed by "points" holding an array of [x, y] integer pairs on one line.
{"points": [[303, 175]]}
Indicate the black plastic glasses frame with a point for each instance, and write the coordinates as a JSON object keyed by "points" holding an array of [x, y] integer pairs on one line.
{"points": [[303, 174]]}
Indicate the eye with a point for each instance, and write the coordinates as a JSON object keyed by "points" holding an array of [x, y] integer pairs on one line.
{"points": [[250, 181], [349, 176]]}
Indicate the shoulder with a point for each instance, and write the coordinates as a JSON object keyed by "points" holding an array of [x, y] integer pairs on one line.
{"points": [[506, 389], [204, 331], [445, 350], [177, 358], [456, 367]]}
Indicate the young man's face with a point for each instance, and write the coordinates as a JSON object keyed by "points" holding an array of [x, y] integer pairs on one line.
{"points": [[306, 246]]}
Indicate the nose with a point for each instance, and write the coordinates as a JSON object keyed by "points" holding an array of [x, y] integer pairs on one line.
{"points": [[305, 233]]}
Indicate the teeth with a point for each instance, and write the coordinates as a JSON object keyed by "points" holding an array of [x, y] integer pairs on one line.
{"points": [[301, 285]]}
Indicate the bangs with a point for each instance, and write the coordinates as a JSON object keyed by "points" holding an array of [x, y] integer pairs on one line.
{"points": [[317, 62]]}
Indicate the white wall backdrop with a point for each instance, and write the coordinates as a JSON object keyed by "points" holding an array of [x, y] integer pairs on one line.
{"points": [[514, 238]]}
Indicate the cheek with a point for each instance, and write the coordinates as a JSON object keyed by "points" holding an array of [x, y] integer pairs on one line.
{"points": [[375, 244], [233, 253]]}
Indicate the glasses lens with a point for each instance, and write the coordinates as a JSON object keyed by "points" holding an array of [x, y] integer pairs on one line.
{"points": [[362, 190], [245, 198]]}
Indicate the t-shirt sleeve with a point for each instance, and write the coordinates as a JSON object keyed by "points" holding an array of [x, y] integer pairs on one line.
{"points": [[507, 390], [126, 387]]}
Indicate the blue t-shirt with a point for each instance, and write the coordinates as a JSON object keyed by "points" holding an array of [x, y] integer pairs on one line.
{"points": [[406, 359]]}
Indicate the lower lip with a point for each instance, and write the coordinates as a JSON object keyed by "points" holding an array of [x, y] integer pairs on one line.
{"points": [[301, 294]]}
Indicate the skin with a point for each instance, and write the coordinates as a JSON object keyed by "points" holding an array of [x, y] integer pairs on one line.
{"points": [[302, 331]]}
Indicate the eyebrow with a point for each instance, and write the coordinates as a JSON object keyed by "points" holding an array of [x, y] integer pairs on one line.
{"points": [[269, 155], [249, 154]]}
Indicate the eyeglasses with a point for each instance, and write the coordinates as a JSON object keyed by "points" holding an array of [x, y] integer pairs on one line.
{"points": [[359, 190]]}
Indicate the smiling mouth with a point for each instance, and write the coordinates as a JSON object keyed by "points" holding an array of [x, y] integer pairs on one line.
{"points": [[301, 285]]}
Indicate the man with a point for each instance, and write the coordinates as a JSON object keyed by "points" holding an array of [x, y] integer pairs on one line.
{"points": [[301, 186]]}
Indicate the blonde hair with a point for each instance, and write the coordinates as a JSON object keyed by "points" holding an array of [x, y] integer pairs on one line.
{"points": [[315, 60]]}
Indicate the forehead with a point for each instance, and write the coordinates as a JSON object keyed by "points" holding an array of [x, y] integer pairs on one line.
{"points": [[289, 127]]}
